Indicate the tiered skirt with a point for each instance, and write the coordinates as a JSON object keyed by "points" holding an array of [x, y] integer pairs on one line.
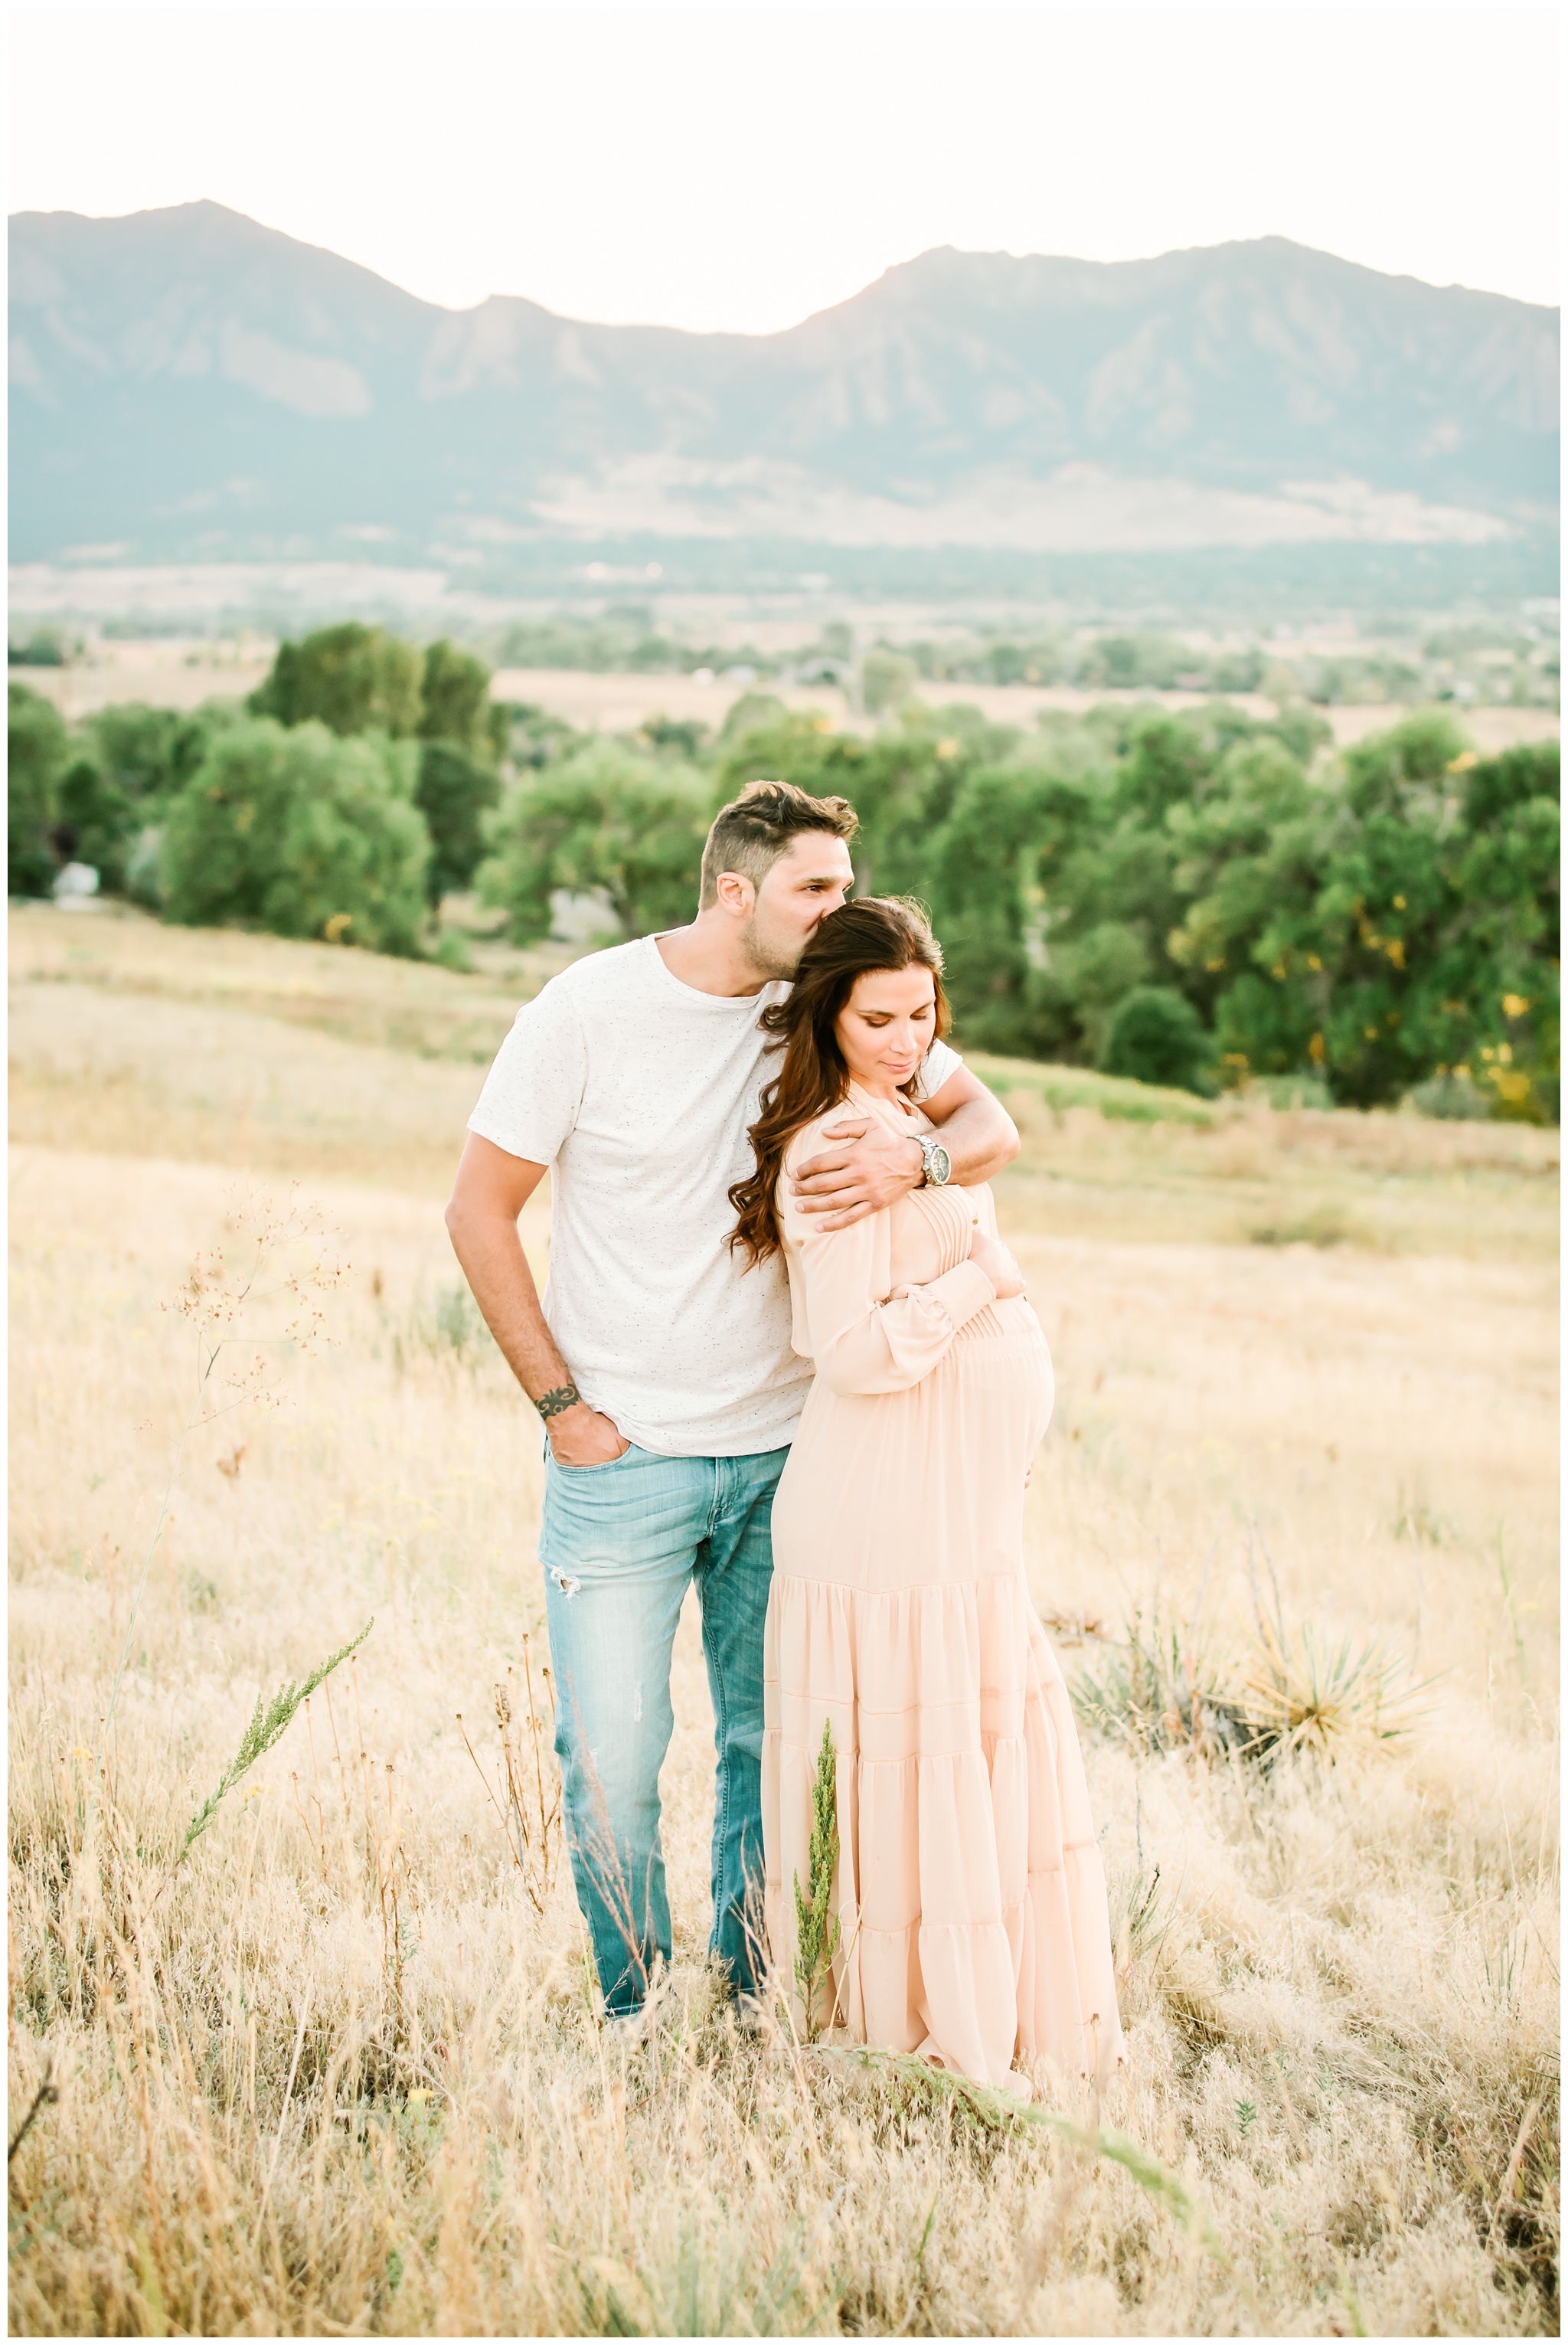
{"points": [[970, 1895]]}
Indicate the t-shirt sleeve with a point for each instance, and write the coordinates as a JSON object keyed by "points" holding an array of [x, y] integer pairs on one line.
{"points": [[941, 1061], [533, 1091]]}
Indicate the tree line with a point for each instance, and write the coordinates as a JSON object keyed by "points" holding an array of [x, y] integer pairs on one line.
{"points": [[344, 799], [1514, 660], [1199, 898]]}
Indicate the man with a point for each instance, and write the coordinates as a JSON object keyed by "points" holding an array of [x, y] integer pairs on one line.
{"points": [[663, 1372]]}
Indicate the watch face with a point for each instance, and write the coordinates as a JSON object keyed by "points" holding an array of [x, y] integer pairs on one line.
{"points": [[941, 1167]]}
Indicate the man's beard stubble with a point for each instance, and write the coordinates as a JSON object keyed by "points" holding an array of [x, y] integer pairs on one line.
{"points": [[773, 957]]}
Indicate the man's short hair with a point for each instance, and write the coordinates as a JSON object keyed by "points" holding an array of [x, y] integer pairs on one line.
{"points": [[753, 830]]}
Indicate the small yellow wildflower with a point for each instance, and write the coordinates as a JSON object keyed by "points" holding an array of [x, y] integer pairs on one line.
{"points": [[1514, 1005]]}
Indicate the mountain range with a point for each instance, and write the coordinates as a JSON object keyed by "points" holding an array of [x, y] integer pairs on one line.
{"points": [[188, 385]]}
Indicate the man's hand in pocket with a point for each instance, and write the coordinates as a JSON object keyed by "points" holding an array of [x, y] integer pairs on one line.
{"points": [[580, 1436]]}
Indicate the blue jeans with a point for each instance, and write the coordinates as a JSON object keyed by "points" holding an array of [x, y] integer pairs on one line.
{"points": [[619, 1544]]}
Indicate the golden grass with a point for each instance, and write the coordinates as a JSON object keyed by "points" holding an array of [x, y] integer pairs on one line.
{"points": [[1247, 1174], [334, 2073], [307, 1058]]}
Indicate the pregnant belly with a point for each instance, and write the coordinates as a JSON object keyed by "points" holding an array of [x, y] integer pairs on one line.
{"points": [[890, 1489]]}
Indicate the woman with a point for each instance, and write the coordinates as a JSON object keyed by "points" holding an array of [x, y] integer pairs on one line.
{"points": [[970, 1895]]}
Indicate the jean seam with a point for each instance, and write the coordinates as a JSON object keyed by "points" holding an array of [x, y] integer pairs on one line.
{"points": [[725, 1773]]}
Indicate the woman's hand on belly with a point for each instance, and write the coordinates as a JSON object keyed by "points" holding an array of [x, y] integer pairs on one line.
{"points": [[989, 1254]]}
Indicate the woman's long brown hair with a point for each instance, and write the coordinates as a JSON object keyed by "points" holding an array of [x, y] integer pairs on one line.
{"points": [[875, 932]]}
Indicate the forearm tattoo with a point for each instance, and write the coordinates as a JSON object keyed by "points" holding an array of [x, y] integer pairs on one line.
{"points": [[550, 1404]]}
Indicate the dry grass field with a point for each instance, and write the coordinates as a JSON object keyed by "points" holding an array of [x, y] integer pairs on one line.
{"points": [[331, 2067]]}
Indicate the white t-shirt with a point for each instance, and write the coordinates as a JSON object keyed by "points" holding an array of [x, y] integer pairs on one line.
{"points": [[637, 1091]]}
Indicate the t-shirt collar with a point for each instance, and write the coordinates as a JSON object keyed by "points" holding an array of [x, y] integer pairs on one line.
{"points": [[733, 1005]]}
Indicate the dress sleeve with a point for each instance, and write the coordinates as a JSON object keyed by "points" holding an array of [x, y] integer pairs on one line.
{"points": [[866, 1337]]}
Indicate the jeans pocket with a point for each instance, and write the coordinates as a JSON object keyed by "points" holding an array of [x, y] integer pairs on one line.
{"points": [[604, 1464]]}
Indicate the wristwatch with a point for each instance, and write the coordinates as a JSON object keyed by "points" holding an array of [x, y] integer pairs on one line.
{"points": [[936, 1165]]}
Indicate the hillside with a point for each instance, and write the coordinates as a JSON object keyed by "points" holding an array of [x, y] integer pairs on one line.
{"points": [[366, 2092], [188, 383]]}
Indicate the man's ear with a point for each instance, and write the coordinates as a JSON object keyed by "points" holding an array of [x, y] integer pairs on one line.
{"points": [[736, 893]]}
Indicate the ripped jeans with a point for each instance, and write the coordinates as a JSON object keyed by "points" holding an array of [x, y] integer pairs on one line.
{"points": [[619, 1544]]}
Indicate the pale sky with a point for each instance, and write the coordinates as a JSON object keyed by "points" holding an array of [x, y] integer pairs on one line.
{"points": [[739, 167]]}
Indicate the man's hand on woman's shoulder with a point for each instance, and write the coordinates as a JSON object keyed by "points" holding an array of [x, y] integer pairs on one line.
{"points": [[863, 1167]]}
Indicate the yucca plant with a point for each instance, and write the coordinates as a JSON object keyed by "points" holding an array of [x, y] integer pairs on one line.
{"points": [[1291, 1690], [817, 1928], [1304, 1693], [1158, 1692]]}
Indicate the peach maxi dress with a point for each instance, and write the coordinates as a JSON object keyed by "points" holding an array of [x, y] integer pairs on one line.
{"points": [[970, 1894]]}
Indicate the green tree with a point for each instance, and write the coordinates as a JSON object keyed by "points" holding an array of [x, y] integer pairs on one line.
{"points": [[301, 833], [1386, 909], [1480, 984], [454, 794], [455, 705], [150, 754], [36, 746], [127, 762], [105, 817], [752, 714], [886, 679], [900, 783], [1095, 972], [993, 866], [1158, 1037], [350, 678], [1251, 851], [604, 818]]}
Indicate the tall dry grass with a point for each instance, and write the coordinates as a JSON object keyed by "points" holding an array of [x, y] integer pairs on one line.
{"points": [[332, 2070]]}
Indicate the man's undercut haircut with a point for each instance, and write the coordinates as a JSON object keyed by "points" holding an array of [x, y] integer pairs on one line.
{"points": [[753, 830]]}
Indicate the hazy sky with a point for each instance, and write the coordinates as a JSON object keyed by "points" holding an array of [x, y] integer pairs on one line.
{"points": [[740, 167]]}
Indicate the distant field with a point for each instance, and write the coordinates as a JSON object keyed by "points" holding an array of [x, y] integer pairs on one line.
{"points": [[248, 1049], [165, 675], [183, 674], [338, 2074]]}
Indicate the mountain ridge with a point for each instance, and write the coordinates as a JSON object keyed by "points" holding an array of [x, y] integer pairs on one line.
{"points": [[189, 382]]}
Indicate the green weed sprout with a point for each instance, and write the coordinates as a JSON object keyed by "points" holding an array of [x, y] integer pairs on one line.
{"points": [[268, 1721], [816, 1932]]}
